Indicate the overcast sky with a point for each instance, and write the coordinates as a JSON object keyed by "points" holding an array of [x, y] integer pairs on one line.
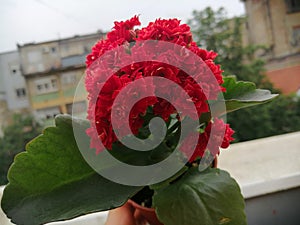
{"points": [[24, 21]]}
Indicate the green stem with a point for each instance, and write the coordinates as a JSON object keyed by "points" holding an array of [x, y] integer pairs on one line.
{"points": [[174, 127]]}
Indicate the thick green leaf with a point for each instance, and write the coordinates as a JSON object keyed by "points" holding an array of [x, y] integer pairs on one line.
{"points": [[208, 198], [236, 89], [51, 181], [241, 94]]}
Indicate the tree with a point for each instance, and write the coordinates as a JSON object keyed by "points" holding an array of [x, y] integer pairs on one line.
{"points": [[16, 135], [277, 117], [214, 31]]}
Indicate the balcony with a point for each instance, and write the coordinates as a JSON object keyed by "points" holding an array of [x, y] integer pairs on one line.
{"points": [[73, 61], [268, 172]]}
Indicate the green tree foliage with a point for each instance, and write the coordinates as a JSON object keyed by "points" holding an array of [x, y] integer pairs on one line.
{"points": [[214, 31], [16, 135], [277, 117]]}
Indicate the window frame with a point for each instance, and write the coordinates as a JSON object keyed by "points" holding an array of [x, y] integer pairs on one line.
{"points": [[291, 7], [21, 93]]}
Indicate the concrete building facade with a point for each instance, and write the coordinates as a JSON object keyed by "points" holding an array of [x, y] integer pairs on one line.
{"points": [[276, 25], [13, 86], [13, 91], [52, 71]]}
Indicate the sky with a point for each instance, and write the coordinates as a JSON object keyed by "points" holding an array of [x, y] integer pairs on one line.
{"points": [[26, 21]]}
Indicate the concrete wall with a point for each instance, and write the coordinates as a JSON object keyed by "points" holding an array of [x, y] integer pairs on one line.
{"points": [[270, 23], [278, 208], [12, 79], [77, 45], [39, 57], [268, 171]]}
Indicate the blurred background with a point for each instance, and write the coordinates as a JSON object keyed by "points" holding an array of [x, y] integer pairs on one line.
{"points": [[43, 45]]}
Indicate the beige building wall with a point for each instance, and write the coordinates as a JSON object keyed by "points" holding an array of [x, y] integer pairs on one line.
{"points": [[77, 46], [276, 25], [37, 58]]}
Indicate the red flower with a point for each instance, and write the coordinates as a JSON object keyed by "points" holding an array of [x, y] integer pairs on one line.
{"points": [[107, 78], [167, 30], [123, 31], [221, 136]]}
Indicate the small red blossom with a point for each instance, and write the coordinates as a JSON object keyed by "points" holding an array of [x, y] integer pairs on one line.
{"points": [[167, 30], [124, 30], [208, 140]]}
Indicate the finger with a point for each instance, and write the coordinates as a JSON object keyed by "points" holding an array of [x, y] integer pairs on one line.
{"points": [[140, 219], [123, 215]]}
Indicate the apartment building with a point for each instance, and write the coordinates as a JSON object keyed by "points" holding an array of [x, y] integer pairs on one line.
{"points": [[52, 71], [276, 25]]}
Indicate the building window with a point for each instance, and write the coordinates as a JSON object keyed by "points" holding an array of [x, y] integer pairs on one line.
{"points": [[69, 78], [20, 92], [54, 83], [46, 85], [295, 40], [292, 6], [48, 113]]}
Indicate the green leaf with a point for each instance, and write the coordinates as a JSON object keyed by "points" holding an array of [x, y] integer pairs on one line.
{"points": [[210, 197], [241, 94], [51, 181], [236, 89]]}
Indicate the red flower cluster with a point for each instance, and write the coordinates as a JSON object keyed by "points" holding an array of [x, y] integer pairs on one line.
{"points": [[122, 32], [208, 139], [103, 89]]}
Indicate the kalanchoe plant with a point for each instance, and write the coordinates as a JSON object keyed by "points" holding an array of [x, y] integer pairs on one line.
{"points": [[133, 77]]}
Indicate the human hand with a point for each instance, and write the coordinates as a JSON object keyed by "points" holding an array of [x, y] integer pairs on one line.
{"points": [[125, 215]]}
